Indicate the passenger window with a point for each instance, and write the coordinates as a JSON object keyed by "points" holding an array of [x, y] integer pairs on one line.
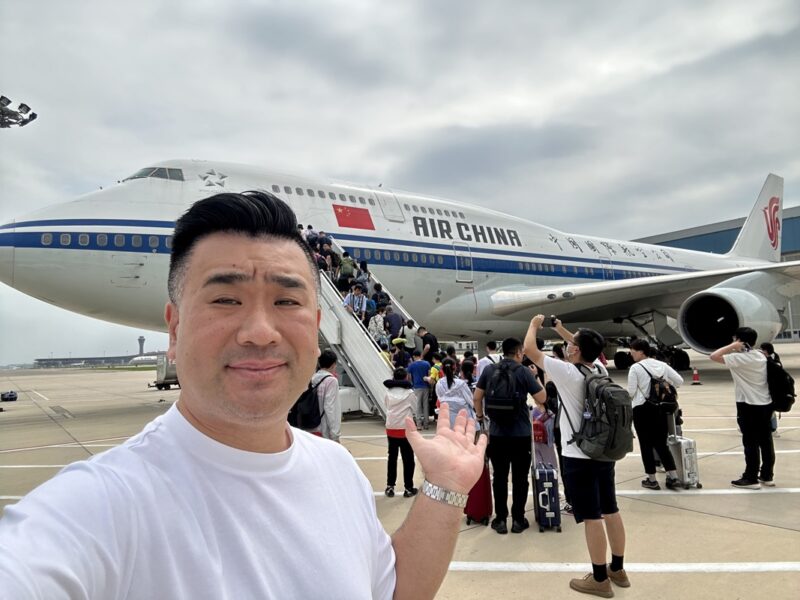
{"points": [[168, 241], [276, 188], [152, 241], [521, 266], [342, 198], [287, 189], [361, 200], [356, 253], [415, 208], [331, 195], [66, 239], [136, 241], [439, 211], [386, 255], [352, 199], [397, 257], [160, 172], [424, 210], [175, 174], [310, 192], [83, 239], [407, 207], [447, 213], [299, 191], [47, 239], [414, 257], [461, 214], [423, 258], [320, 193], [371, 201], [119, 240], [367, 253], [405, 257], [440, 260]]}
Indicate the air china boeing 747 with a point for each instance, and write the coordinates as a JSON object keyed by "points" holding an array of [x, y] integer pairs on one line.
{"points": [[465, 272]]}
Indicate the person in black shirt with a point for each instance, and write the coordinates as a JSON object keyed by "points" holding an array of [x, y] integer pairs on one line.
{"points": [[510, 442], [430, 345]]}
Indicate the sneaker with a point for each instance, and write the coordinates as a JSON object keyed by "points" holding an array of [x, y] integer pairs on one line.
{"points": [[410, 492], [650, 484], [519, 526], [749, 484], [588, 585], [619, 578], [767, 482], [567, 509], [389, 491], [499, 525], [673, 483]]}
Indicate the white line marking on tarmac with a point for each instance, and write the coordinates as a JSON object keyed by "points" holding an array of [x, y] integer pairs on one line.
{"points": [[46, 399], [731, 567], [730, 429], [693, 492], [10, 497], [32, 466]]}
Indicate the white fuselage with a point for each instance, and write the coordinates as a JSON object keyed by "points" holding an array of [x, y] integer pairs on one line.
{"points": [[106, 254]]}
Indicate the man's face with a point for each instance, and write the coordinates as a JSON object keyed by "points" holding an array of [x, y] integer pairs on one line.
{"points": [[357, 291], [244, 333], [572, 352]]}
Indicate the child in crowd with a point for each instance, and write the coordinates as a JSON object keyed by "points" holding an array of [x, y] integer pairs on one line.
{"points": [[457, 391], [400, 400]]}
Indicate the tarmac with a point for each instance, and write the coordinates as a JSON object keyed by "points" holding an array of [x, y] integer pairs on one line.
{"points": [[714, 542]]}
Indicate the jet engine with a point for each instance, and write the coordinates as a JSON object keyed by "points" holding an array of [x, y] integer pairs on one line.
{"points": [[708, 319]]}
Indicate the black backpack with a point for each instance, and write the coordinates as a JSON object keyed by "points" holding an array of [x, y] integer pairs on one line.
{"points": [[306, 414], [500, 399], [606, 431], [662, 393], [781, 386]]}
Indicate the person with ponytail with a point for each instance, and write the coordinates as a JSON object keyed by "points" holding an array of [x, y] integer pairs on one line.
{"points": [[456, 391]]}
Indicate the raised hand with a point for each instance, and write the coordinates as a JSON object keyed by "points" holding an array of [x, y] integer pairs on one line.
{"points": [[451, 459]]}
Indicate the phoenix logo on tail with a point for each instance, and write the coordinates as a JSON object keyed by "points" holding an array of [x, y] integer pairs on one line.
{"points": [[771, 217]]}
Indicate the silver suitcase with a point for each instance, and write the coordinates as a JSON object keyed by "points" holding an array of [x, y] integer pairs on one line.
{"points": [[684, 451]]}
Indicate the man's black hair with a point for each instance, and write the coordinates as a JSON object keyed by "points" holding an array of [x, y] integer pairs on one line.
{"points": [[747, 335], [642, 346], [416, 353], [400, 373], [511, 346], [590, 343], [254, 214], [327, 358], [491, 345]]}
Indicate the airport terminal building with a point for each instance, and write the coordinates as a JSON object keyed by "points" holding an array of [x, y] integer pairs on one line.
{"points": [[719, 237]]}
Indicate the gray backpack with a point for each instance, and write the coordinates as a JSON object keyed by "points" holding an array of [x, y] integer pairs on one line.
{"points": [[606, 430]]}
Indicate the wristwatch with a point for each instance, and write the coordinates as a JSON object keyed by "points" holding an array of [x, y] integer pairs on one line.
{"points": [[443, 495]]}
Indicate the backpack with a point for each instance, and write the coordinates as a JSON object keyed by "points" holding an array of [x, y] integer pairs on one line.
{"points": [[500, 399], [348, 266], [781, 386], [306, 414], [606, 429], [662, 393]]}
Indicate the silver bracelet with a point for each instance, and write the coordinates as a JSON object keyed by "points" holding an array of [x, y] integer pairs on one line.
{"points": [[443, 495]]}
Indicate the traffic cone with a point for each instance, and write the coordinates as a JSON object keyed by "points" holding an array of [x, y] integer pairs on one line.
{"points": [[696, 377]]}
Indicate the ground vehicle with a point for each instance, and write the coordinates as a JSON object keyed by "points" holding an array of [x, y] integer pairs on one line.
{"points": [[9, 396], [166, 373]]}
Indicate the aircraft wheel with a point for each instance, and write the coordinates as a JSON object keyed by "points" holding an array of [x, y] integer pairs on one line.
{"points": [[699, 486], [167, 386], [680, 360], [159, 386], [558, 529], [623, 360]]}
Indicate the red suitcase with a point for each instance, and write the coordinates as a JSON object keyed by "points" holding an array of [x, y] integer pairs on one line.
{"points": [[479, 502]]}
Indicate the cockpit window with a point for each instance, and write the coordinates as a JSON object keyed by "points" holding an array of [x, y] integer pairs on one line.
{"points": [[159, 173]]}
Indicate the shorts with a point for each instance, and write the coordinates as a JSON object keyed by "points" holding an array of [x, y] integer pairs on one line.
{"points": [[589, 484]]}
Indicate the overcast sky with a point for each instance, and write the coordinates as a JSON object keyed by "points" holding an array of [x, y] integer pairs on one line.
{"points": [[621, 119]]}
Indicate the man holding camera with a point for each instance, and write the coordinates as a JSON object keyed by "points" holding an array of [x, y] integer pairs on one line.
{"points": [[753, 407]]}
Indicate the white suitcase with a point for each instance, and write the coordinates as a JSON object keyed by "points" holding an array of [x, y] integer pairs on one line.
{"points": [[684, 451]]}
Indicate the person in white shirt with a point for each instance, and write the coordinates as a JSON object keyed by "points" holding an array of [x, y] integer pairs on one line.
{"points": [[220, 497], [456, 391], [328, 393], [648, 419], [590, 482], [490, 358], [356, 302], [753, 407]]}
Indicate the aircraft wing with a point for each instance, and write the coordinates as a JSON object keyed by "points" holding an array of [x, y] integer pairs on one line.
{"points": [[607, 300]]}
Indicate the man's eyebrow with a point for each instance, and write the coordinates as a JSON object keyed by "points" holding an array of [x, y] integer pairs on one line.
{"points": [[286, 281], [227, 278]]}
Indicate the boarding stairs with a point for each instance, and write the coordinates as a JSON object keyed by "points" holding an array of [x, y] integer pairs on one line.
{"points": [[357, 354]]}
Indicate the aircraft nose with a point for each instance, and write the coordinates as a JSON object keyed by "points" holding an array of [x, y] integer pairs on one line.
{"points": [[6, 259]]}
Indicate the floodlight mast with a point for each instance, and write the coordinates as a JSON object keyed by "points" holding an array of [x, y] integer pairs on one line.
{"points": [[19, 117]]}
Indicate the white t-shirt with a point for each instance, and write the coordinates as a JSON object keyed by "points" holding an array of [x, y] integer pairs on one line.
{"points": [[571, 385], [639, 380], [749, 371], [485, 362], [172, 513]]}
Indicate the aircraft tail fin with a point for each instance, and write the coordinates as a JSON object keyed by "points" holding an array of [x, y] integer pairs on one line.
{"points": [[760, 236]]}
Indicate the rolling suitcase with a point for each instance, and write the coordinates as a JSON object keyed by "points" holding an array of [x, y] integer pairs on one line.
{"points": [[545, 496], [479, 506], [684, 451]]}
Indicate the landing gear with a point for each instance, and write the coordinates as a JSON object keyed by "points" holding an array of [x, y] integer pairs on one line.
{"points": [[679, 360], [623, 360]]}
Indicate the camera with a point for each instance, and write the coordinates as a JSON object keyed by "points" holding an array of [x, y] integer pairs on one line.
{"points": [[553, 320]]}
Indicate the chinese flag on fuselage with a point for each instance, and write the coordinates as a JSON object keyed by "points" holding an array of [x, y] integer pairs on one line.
{"points": [[349, 216]]}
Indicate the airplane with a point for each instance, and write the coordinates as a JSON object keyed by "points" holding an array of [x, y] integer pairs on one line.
{"points": [[464, 271]]}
